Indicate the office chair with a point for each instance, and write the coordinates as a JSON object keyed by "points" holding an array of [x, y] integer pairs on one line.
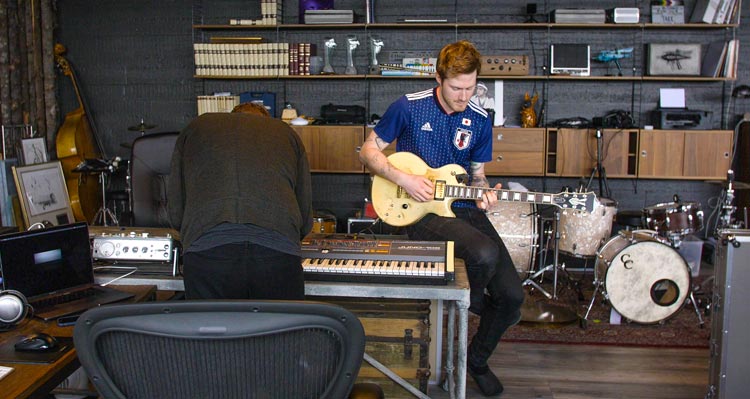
{"points": [[149, 165], [222, 349]]}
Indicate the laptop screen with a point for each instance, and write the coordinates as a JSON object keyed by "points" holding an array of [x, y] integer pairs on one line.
{"points": [[43, 261]]}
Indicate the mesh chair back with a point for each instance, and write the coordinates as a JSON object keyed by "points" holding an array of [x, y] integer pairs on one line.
{"points": [[221, 349], [150, 161]]}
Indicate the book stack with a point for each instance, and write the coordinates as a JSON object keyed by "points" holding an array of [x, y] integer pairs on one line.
{"points": [[241, 59], [720, 60], [219, 102], [270, 11], [716, 12], [299, 58]]}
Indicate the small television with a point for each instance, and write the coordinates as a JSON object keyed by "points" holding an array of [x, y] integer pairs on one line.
{"points": [[570, 59]]}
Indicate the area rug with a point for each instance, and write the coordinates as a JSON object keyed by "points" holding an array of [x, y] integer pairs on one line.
{"points": [[680, 330]]}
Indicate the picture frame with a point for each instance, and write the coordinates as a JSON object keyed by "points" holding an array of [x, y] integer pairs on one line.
{"points": [[674, 59], [43, 194], [33, 151], [489, 95]]}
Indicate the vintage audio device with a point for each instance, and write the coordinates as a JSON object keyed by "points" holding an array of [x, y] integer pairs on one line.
{"points": [[730, 319], [570, 59], [579, 16], [329, 16], [679, 118], [623, 15], [336, 257], [505, 65], [134, 245]]}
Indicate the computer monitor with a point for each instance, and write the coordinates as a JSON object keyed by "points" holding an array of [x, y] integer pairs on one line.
{"points": [[570, 59]]}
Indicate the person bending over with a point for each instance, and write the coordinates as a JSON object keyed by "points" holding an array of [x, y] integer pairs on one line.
{"points": [[239, 192]]}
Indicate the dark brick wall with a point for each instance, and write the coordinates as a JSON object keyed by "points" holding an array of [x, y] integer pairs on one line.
{"points": [[134, 61]]}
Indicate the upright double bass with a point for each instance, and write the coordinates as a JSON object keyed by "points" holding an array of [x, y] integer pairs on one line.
{"points": [[77, 141]]}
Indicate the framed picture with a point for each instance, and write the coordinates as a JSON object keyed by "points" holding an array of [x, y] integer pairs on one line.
{"points": [[43, 194], [674, 59], [33, 151], [489, 95]]}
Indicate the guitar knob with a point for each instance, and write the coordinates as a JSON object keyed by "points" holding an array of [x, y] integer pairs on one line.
{"points": [[405, 206]]}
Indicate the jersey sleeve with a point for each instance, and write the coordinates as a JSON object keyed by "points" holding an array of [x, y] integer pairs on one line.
{"points": [[483, 151], [394, 122]]}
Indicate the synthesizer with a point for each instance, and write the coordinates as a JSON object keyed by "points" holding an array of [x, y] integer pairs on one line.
{"points": [[353, 259]]}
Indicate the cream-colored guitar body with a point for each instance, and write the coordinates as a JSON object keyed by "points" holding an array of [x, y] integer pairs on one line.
{"points": [[396, 207]]}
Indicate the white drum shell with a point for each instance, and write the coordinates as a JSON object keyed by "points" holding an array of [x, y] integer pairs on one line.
{"points": [[516, 224], [582, 233]]}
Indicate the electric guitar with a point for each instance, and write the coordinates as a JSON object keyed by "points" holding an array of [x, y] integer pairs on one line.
{"points": [[396, 207]]}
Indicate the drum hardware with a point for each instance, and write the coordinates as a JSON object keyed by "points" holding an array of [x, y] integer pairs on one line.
{"points": [[104, 168], [674, 220], [549, 312], [598, 170]]}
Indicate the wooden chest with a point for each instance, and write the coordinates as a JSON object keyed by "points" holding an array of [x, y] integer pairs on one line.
{"points": [[398, 336]]}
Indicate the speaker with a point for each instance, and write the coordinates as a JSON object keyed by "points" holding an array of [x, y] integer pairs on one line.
{"points": [[13, 308]]}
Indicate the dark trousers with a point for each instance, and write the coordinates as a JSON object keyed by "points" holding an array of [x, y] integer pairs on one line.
{"points": [[243, 271], [496, 289]]}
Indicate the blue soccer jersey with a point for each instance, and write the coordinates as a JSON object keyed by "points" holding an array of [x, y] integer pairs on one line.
{"points": [[423, 127]]}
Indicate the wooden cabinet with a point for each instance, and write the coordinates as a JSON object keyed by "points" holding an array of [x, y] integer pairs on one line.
{"points": [[574, 152], [516, 152], [333, 148], [684, 154]]}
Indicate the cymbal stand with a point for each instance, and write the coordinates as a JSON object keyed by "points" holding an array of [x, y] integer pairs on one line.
{"points": [[104, 212], [554, 267], [598, 170]]}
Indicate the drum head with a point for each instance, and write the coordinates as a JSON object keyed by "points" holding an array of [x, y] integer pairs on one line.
{"points": [[647, 282]]}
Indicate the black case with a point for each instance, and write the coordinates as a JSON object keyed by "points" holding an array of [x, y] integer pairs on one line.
{"points": [[343, 114]]}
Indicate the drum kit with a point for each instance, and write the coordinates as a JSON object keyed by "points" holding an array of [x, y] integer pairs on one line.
{"points": [[640, 273]]}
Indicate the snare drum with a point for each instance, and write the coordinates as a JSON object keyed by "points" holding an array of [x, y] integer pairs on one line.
{"points": [[680, 218], [323, 224], [644, 279], [516, 224], [582, 233]]}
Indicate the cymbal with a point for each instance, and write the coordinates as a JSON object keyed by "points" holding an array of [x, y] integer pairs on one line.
{"points": [[126, 145], [141, 127], [546, 312], [737, 185]]}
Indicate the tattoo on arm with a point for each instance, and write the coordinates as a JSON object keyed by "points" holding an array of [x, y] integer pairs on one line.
{"points": [[477, 175]]}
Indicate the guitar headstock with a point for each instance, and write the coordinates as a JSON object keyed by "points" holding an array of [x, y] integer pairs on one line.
{"points": [[578, 201]]}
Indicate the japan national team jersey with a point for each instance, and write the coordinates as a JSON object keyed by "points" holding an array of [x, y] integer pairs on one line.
{"points": [[423, 127]]}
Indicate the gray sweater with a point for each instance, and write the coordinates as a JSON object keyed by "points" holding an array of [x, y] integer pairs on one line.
{"points": [[239, 168]]}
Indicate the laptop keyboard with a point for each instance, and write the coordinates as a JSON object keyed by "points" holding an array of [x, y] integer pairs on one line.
{"points": [[65, 298]]}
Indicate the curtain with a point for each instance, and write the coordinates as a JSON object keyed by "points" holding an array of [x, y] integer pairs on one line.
{"points": [[27, 68]]}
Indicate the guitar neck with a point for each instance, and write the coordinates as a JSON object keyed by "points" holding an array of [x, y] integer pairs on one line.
{"points": [[476, 193]]}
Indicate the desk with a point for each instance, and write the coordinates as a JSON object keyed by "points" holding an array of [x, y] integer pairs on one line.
{"points": [[455, 294], [37, 380]]}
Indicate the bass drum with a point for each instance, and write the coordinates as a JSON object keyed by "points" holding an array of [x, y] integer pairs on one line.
{"points": [[644, 279], [582, 233], [516, 224]]}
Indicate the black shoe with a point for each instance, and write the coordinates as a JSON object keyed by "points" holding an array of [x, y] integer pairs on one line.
{"points": [[487, 381]]}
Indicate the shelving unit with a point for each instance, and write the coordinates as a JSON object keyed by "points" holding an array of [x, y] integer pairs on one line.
{"points": [[562, 95]]}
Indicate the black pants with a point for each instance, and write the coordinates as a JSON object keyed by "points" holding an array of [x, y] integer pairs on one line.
{"points": [[243, 271], [490, 269]]}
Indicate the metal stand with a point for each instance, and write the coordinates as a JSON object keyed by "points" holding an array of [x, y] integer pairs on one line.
{"points": [[546, 312], [104, 212], [599, 170]]}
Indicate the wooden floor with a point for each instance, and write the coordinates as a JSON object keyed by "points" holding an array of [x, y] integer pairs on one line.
{"points": [[530, 370]]}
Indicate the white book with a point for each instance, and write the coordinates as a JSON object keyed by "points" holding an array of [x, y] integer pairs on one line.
{"points": [[722, 11], [704, 11]]}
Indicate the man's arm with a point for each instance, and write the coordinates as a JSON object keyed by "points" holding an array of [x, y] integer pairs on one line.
{"points": [[371, 155], [478, 179]]}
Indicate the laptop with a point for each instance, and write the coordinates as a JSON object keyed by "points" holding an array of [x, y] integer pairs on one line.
{"points": [[54, 270]]}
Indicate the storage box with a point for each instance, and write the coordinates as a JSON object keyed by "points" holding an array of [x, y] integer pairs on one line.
{"points": [[691, 250], [398, 336]]}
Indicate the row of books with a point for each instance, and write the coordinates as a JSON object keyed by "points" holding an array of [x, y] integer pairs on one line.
{"points": [[716, 12], [252, 59], [270, 11], [721, 59], [217, 103]]}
